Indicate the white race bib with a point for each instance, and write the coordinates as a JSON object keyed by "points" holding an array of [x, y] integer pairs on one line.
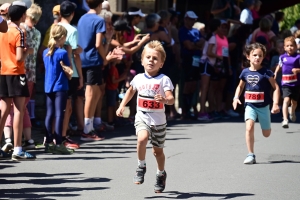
{"points": [[225, 52], [196, 61]]}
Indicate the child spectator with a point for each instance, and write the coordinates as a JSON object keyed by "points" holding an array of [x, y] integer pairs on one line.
{"points": [[290, 66], [13, 81], [258, 82], [154, 90], [67, 10], [56, 88]]}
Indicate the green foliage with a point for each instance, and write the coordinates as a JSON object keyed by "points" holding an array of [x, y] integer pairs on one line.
{"points": [[291, 14]]}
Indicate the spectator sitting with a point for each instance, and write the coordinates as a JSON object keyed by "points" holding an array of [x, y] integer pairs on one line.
{"points": [[246, 15]]}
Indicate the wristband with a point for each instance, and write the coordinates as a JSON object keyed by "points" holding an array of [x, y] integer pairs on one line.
{"points": [[235, 98]]}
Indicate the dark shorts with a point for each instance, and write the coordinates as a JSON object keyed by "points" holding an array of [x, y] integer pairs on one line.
{"points": [[92, 75], [191, 73], [207, 69], [13, 86], [73, 88], [292, 92], [111, 97]]}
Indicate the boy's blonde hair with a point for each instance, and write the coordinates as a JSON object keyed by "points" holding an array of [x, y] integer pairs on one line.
{"points": [[297, 34], [157, 46], [57, 32], [290, 39], [34, 12]]}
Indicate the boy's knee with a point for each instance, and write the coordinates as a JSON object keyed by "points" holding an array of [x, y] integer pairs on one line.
{"points": [[249, 125], [157, 152]]}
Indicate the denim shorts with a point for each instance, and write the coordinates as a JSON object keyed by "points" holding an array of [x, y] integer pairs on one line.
{"points": [[263, 114]]}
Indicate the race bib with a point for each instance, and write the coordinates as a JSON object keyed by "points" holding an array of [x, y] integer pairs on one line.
{"points": [[225, 52], [254, 97], [148, 104], [196, 61], [290, 78]]}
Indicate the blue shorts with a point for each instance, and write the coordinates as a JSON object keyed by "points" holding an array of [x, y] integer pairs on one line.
{"points": [[263, 114]]}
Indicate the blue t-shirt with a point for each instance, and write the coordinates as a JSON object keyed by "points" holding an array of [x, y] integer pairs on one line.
{"points": [[258, 87], [88, 26], [55, 78], [192, 35]]}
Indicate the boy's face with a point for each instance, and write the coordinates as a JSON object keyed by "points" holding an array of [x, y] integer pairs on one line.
{"points": [[152, 61], [290, 47]]}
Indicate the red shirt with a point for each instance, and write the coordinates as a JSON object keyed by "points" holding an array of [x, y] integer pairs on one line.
{"points": [[113, 72]]}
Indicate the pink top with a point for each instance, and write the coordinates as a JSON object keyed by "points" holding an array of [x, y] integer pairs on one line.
{"points": [[255, 14], [222, 46]]}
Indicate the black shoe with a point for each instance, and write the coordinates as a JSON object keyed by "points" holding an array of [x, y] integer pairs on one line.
{"points": [[139, 176], [160, 183], [28, 145]]}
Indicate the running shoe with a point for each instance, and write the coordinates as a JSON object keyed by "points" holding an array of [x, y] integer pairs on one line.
{"points": [[107, 126], [91, 136], [23, 155], [62, 150], [99, 127], [7, 147], [231, 113], [292, 115], [250, 159], [204, 117], [49, 147], [28, 144], [285, 124], [4, 156], [160, 183], [139, 176], [70, 144]]}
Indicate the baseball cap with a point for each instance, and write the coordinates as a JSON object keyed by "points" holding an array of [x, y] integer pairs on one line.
{"points": [[67, 8], [19, 3], [121, 25], [139, 12], [191, 14], [27, 2], [4, 8], [56, 10]]}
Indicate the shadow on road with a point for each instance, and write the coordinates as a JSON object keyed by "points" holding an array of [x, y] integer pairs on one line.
{"points": [[279, 162], [186, 195], [42, 179]]}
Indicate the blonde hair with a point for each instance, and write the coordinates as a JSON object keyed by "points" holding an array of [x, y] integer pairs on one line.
{"points": [[57, 33], [34, 12], [105, 14], [290, 39], [157, 46], [297, 34]]}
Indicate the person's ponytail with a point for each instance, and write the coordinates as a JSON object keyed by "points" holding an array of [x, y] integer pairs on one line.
{"points": [[51, 46]]}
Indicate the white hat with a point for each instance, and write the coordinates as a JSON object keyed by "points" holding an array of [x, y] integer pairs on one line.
{"points": [[139, 12], [191, 14]]}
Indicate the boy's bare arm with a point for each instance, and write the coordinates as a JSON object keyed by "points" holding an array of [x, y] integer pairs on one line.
{"points": [[100, 47], [129, 94], [22, 53], [168, 100]]}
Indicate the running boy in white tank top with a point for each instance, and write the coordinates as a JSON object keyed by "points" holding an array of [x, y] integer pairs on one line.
{"points": [[154, 91]]}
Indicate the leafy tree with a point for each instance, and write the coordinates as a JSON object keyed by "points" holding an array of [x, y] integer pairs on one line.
{"points": [[291, 14]]}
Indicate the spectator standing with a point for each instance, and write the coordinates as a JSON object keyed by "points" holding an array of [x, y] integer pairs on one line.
{"points": [[279, 16], [246, 15], [255, 10]]}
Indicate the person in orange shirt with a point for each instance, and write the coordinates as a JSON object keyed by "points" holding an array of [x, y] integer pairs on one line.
{"points": [[13, 82]]}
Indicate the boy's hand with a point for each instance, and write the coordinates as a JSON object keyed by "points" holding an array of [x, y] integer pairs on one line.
{"points": [[120, 111], [295, 70], [275, 109], [159, 98], [235, 102]]}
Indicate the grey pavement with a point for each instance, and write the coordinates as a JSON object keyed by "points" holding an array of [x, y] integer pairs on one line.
{"points": [[203, 161]]}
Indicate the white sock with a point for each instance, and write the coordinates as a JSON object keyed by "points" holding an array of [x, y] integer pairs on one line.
{"points": [[17, 150], [142, 163], [87, 125], [160, 173], [97, 120]]}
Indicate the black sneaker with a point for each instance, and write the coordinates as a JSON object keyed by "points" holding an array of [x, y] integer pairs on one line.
{"points": [[139, 176], [28, 144], [160, 183], [4, 156]]}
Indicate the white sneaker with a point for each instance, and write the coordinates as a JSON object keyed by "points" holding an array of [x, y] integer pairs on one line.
{"points": [[250, 159], [231, 113], [285, 124], [292, 115], [7, 147]]}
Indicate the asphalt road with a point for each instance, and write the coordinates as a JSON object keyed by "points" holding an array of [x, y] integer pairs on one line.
{"points": [[203, 161]]}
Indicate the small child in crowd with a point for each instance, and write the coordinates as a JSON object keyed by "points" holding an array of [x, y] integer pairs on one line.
{"points": [[290, 65], [258, 82], [56, 89], [154, 91]]}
